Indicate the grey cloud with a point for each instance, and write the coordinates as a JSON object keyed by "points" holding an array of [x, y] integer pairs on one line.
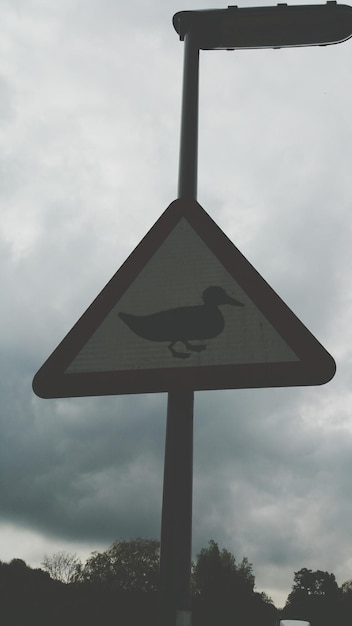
{"points": [[82, 471]]}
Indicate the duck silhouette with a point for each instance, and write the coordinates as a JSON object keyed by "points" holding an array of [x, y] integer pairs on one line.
{"points": [[184, 324]]}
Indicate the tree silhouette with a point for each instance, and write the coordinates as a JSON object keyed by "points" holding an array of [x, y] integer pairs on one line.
{"points": [[316, 583], [224, 591], [314, 597], [346, 588], [345, 608], [62, 566], [119, 586], [217, 574], [127, 565]]}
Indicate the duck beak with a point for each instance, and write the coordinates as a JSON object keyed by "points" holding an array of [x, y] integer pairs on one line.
{"points": [[234, 302]]}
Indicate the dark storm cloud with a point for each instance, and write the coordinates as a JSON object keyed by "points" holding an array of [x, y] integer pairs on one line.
{"points": [[85, 470]]}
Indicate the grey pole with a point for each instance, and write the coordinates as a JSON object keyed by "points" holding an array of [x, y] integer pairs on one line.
{"points": [[188, 164], [176, 525]]}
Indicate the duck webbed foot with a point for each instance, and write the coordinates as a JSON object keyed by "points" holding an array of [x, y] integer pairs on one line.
{"points": [[185, 355], [196, 348]]}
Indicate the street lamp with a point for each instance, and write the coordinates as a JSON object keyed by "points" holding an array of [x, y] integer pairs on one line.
{"points": [[280, 26], [235, 28]]}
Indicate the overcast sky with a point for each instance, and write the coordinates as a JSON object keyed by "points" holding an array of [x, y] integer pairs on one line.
{"points": [[90, 116]]}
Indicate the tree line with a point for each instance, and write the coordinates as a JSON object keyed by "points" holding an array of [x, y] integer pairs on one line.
{"points": [[317, 598], [120, 586]]}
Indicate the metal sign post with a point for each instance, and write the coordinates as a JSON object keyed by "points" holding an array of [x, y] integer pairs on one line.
{"points": [[176, 524], [188, 164], [176, 528]]}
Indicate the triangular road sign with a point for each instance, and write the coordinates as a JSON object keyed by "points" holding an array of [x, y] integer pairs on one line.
{"points": [[185, 311]]}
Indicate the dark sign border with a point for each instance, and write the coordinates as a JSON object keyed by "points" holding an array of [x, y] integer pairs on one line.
{"points": [[314, 367]]}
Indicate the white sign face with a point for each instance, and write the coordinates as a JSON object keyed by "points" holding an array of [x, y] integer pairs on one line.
{"points": [[171, 316]]}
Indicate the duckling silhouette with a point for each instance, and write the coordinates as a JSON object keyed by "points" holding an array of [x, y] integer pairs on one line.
{"points": [[184, 324]]}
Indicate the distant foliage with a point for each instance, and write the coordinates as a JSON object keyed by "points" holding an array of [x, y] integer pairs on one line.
{"points": [[316, 583], [127, 565], [18, 573], [217, 574], [119, 586], [224, 591], [62, 566], [315, 597], [346, 588]]}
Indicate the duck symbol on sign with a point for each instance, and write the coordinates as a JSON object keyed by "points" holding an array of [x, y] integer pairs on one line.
{"points": [[184, 324]]}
